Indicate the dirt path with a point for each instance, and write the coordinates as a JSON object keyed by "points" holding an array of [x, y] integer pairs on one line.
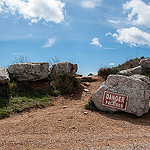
{"points": [[66, 126]]}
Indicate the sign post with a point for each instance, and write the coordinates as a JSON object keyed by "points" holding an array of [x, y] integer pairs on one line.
{"points": [[115, 100]]}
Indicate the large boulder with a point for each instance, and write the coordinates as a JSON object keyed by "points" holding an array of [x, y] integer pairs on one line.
{"points": [[29, 71], [123, 93], [4, 76], [145, 64], [63, 67], [131, 71]]}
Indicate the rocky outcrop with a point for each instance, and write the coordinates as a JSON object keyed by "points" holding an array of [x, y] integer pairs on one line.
{"points": [[4, 76], [145, 64], [135, 88], [29, 71], [63, 67], [144, 68], [132, 71]]}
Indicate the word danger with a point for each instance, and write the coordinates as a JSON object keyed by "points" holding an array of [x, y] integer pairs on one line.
{"points": [[115, 100]]}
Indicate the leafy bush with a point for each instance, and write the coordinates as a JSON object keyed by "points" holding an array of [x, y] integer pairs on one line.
{"points": [[91, 106], [66, 83], [4, 113], [105, 72], [25, 89], [62, 84]]}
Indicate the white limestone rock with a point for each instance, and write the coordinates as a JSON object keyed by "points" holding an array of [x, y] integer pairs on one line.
{"points": [[136, 87], [29, 71], [4, 76], [145, 63], [65, 67], [132, 71]]}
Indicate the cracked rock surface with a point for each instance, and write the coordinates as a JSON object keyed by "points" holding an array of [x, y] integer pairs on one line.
{"points": [[29, 71], [145, 64], [65, 67], [136, 87]]}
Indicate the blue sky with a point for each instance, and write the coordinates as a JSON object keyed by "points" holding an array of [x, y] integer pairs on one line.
{"points": [[91, 33]]}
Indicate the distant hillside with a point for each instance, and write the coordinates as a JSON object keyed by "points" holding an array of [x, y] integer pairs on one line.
{"points": [[104, 72], [128, 64]]}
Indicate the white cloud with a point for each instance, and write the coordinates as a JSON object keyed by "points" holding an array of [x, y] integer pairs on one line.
{"points": [[113, 21], [112, 64], [34, 20], [16, 53], [90, 3], [49, 43], [29, 34], [1, 5], [35, 10], [140, 12], [109, 48], [108, 34], [132, 36], [95, 41]]}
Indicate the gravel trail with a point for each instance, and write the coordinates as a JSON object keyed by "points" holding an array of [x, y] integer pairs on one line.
{"points": [[67, 125]]}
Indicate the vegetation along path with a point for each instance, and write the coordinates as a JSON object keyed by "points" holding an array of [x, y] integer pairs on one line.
{"points": [[68, 125]]}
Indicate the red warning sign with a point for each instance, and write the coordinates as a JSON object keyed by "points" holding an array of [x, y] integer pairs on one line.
{"points": [[115, 100]]}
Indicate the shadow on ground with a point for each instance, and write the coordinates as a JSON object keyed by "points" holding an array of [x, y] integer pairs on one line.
{"points": [[75, 96], [143, 120]]}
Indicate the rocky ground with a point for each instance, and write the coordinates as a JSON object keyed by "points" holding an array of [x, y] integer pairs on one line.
{"points": [[67, 125]]}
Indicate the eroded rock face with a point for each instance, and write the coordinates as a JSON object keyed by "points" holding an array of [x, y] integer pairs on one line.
{"points": [[4, 76], [29, 71], [65, 67], [132, 71], [145, 63], [135, 87]]}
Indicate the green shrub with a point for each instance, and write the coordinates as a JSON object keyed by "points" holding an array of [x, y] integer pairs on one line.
{"points": [[24, 89], [105, 72], [91, 106], [66, 83], [4, 113], [62, 84], [13, 87]]}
